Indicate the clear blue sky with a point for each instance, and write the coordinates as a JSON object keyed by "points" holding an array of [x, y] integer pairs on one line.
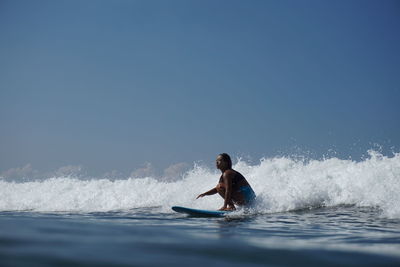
{"points": [[114, 84]]}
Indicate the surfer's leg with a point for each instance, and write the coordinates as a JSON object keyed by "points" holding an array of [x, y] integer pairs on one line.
{"points": [[238, 198], [221, 190]]}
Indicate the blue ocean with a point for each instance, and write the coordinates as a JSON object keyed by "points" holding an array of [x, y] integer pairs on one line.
{"points": [[327, 212]]}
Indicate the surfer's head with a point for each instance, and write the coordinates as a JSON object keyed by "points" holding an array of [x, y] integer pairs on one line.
{"points": [[224, 162]]}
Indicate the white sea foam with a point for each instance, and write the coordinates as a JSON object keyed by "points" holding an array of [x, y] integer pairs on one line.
{"points": [[281, 184]]}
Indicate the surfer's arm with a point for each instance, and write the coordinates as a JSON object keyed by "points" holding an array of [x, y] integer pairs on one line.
{"points": [[208, 193]]}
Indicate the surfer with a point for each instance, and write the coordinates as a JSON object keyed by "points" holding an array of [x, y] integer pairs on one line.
{"points": [[232, 185]]}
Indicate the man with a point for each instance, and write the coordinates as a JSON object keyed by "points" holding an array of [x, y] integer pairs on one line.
{"points": [[232, 186]]}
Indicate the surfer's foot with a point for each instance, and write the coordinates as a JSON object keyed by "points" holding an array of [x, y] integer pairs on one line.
{"points": [[229, 208]]}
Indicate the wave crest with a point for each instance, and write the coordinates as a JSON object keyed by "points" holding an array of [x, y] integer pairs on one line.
{"points": [[281, 184]]}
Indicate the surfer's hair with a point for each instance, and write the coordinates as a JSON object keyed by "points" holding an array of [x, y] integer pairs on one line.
{"points": [[227, 159]]}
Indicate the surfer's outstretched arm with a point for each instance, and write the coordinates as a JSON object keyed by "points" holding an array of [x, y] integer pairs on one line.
{"points": [[208, 193]]}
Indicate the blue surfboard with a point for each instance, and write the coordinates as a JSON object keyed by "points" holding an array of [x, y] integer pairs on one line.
{"points": [[199, 213]]}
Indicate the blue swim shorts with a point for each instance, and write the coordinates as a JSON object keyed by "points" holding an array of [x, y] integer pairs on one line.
{"points": [[248, 193]]}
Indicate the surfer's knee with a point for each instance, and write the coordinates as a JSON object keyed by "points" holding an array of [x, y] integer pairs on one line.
{"points": [[220, 187]]}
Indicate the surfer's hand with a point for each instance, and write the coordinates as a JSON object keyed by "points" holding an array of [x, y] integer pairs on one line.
{"points": [[199, 196]]}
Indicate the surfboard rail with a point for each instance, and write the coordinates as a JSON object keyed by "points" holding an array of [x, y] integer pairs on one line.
{"points": [[199, 212]]}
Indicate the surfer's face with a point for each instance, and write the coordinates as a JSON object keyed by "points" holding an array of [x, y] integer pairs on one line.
{"points": [[220, 162]]}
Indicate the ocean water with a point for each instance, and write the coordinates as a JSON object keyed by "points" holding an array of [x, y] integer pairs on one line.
{"points": [[329, 212]]}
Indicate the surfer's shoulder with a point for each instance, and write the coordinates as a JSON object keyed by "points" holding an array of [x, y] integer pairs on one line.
{"points": [[229, 173]]}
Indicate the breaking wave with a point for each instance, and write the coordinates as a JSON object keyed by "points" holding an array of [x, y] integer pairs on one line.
{"points": [[281, 184]]}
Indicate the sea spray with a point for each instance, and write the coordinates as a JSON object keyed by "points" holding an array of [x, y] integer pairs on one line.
{"points": [[281, 184]]}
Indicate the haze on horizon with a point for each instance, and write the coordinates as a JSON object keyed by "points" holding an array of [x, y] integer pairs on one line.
{"points": [[138, 87]]}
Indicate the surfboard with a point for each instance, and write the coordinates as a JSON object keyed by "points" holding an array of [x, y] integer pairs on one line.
{"points": [[199, 213]]}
